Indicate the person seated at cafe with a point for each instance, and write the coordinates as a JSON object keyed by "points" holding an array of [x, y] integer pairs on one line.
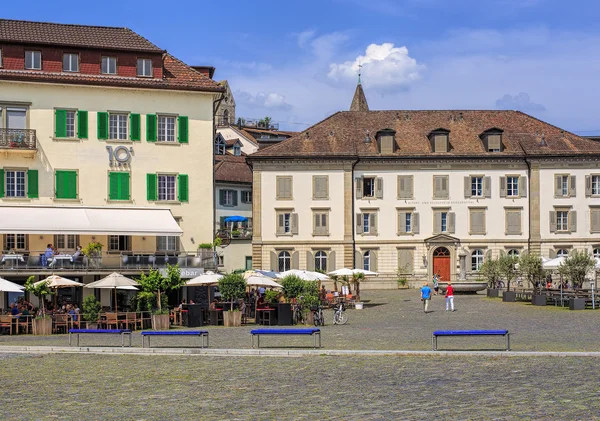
{"points": [[192, 302], [261, 290], [47, 256], [322, 293], [24, 313], [73, 314], [213, 305], [77, 256], [183, 303], [14, 310], [260, 302]]}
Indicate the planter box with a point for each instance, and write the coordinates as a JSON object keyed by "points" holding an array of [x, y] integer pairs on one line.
{"points": [[538, 300], [232, 318], [493, 293], [509, 297], [284, 314], [42, 326], [160, 322], [577, 304]]}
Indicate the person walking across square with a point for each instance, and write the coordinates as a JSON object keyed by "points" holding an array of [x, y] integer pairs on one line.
{"points": [[425, 296], [449, 297]]}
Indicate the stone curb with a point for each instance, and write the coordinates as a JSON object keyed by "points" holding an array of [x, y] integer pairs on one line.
{"points": [[277, 352]]}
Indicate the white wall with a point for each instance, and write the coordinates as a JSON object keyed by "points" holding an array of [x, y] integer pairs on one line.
{"points": [[248, 146]]}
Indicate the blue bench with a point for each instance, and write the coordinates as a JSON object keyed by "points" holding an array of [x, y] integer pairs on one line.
{"points": [[470, 333], [315, 333], [121, 332], [202, 334]]}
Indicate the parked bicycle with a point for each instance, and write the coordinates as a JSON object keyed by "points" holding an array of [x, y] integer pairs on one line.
{"points": [[318, 315], [339, 314], [298, 317]]}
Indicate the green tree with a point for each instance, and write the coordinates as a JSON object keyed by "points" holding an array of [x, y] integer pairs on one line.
{"points": [[158, 284], [232, 287], [507, 268], [293, 286], [576, 267], [40, 291], [491, 271], [91, 309], [356, 280], [530, 266]]}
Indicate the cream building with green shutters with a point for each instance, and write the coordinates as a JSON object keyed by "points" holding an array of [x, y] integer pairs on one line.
{"points": [[104, 137]]}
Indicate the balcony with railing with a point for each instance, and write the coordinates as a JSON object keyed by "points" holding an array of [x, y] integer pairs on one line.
{"points": [[18, 140], [14, 262]]}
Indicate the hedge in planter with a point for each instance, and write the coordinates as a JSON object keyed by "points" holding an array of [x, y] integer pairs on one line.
{"points": [[232, 287], [158, 285], [42, 325]]}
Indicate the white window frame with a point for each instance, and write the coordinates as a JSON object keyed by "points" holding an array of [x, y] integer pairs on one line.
{"points": [[228, 197], [564, 185], [366, 219], [107, 60], [321, 261], [33, 54], [65, 241], [165, 132], [246, 196], [144, 63], [476, 186], [284, 261], [167, 191], [477, 258], [595, 185], [166, 243], [116, 123], [11, 184], [408, 222], [512, 189], [71, 127], [513, 252], [596, 252], [562, 220], [367, 260], [371, 192], [70, 65], [237, 151], [114, 243], [562, 252], [16, 239]]}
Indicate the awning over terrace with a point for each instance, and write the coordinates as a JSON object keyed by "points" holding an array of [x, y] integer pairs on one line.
{"points": [[87, 220]]}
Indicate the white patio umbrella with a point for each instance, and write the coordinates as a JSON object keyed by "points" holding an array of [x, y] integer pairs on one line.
{"points": [[271, 274], [365, 272], [114, 281], [261, 281], [206, 279], [350, 272], [305, 275], [55, 281], [554, 263], [7, 286]]}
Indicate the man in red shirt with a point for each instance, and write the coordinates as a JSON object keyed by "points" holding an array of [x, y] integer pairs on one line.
{"points": [[449, 297]]}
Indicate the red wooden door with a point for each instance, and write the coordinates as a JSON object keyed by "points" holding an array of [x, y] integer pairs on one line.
{"points": [[441, 263]]}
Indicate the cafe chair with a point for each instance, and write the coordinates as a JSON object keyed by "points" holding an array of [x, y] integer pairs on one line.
{"points": [[6, 323], [111, 320], [61, 322]]}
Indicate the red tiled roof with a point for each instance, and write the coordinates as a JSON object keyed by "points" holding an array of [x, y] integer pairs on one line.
{"points": [[177, 75], [231, 142], [232, 169], [343, 134], [47, 33]]}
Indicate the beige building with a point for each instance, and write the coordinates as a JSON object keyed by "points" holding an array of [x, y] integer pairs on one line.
{"points": [[413, 193], [104, 137]]}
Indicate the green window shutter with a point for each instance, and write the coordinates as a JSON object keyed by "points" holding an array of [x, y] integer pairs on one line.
{"points": [[60, 117], [82, 124], [135, 127], [151, 187], [182, 134], [66, 184], [102, 125], [151, 128], [118, 186], [183, 187], [32, 184], [2, 183]]}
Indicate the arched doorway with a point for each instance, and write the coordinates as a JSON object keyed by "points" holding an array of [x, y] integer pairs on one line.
{"points": [[441, 263]]}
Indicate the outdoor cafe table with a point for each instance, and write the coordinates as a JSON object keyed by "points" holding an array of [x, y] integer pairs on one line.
{"points": [[260, 315], [13, 258], [62, 258]]}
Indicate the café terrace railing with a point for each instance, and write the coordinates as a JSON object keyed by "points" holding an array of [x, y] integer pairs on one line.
{"points": [[105, 261], [17, 139]]}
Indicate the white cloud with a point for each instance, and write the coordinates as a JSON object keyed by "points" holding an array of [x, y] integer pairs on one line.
{"points": [[520, 102], [266, 100], [304, 37], [383, 66]]}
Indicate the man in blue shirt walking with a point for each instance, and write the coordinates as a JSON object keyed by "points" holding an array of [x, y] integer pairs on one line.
{"points": [[425, 296]]}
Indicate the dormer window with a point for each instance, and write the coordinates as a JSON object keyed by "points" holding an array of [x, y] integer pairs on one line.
{"points": [[439, 140], [109, 65], [492, 140], [237, 151], [219, 146], [33, 60], [70, 62], [144, 67], [386, 141]]}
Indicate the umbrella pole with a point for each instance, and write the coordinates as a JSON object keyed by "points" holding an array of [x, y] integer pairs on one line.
{"points": [[116, 309]]}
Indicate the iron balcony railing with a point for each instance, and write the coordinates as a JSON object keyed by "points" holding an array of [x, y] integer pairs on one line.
{"points": [[105, 261], [17, 139]]}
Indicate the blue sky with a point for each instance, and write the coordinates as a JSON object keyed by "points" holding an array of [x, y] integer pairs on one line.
{"points": [[296, 61]]}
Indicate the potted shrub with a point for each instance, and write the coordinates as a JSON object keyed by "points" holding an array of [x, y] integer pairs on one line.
{"points": [[93, 252], [530, 266], [232, 287], [575, 268], [292, 287], [42, 324], [91, 311], [310, 299], [489, 270], [402, 283], [235, 233], [159, 285]]}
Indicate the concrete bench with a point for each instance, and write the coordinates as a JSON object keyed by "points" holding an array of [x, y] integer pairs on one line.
{"points": [[202, 334], [121, 332], [469, 333], [315, 333]]}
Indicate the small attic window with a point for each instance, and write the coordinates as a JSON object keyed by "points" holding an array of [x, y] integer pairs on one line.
{"points": [[492, 140], [386, 141], [439, 140]]}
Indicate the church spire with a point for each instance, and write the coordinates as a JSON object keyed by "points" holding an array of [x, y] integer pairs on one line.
{"points": [[359, 102]]}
